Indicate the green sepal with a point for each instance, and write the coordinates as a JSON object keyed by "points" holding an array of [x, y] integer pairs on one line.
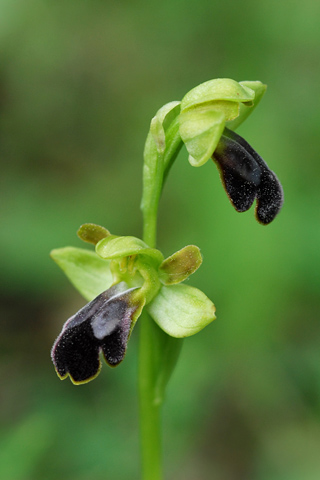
{"points": [[245, 110], [200, 131], [173, 140], [179, 266], [162, 146], [217, 90], [161, 123], [92, 233], [89, 273], [204, 112], [181, 310], [114, 247]]}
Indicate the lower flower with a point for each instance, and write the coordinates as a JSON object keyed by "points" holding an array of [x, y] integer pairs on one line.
{"points": [[141, 278]]}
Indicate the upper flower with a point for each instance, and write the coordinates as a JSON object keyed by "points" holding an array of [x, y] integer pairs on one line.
{"points": [[122, 277], [204, 121], [206, 112]]}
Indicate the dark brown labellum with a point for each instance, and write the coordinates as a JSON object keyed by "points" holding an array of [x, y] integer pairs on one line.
{"points": [[247, 177], [104, 324]]}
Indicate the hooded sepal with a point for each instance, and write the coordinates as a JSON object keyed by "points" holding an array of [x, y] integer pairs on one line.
{"points": [[131, 256], [218, 90], [114, 247], [204, 112], [201, 130], [181, 310], [105, 325], [245, 109]]}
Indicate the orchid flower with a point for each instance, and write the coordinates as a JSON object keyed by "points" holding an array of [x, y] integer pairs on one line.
{"points": [[132, 276]]}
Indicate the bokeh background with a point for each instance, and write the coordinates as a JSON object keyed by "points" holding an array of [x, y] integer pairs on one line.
{"points": [[79, 83]]}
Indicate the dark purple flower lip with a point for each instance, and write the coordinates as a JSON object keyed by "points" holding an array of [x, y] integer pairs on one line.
{"points": [[103, 325], [247, 177]]}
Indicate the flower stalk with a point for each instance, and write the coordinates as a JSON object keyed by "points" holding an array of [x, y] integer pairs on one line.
{"points": [[150, 345], [150, 421], [150, 409]]}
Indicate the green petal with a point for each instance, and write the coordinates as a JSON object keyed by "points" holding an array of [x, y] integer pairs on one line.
{"points": [[201, 130], [181, 310], [92, 233], [116, 247], [245, 110], [179, 266], [218, 89], [89, 273]]}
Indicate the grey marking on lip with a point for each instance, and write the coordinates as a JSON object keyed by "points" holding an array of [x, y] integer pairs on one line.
{"points": [[106, 320]]}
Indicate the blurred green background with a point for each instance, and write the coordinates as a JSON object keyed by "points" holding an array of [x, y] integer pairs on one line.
{"points": [[79, 83]]}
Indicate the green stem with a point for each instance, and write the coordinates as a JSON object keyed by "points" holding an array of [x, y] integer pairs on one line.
{"points": [[158, 355], [150, 422], [158, 352]]}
